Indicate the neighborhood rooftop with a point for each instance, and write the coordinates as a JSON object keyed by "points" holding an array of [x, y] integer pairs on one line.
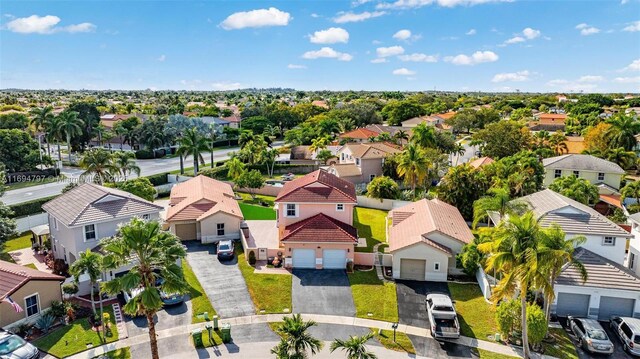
{"points": [[582, 163], [318, 186], [320, 228], [200, 197], [15, 276], [602, 273]]}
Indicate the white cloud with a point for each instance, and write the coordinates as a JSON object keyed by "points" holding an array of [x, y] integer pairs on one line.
{"points": [[402, 34], [586, 30], [413, 4], [530, 33], [418, 57], [627, 80], [314, 15], [256, 18], [526, 35], [590, 78], [331, 35], [515, 40], [161, 58], [344, 17], [566, 85], [633, 66], [403, 72], [35, 24], [622, 2], [511, 76], [634, 27], [226, 86], [389, 51], [296, 67], [379, 60], [476, 58], [471, 32], [327, 52]]}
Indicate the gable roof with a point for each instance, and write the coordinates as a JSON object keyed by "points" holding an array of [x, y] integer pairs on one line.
{"points": [[482, 161], [359, 133], [90, 203], [580, 162], [574, 217], [199, 198], [414, 222], [318, 186], [392, 130], [320, 228], [601, 273], [371, 150], [15, 276], [345, 170]]}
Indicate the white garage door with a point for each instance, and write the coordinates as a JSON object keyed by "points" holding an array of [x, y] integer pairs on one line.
{"points": [[573, 304], [304, 258], [413, 269], [334, 259], [615, 307]]}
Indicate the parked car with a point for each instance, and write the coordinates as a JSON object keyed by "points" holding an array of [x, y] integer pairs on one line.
{"points": [[225, 250], [288, 177], [14, 347], [628, 331], [591, 336], [169, 298], [442, 316]]}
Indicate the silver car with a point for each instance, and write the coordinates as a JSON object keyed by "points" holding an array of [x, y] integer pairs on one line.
{"points": [[14, 347], [628, 330], [591, 336]]}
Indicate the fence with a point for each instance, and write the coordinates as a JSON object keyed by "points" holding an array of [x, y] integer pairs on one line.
{"points": [[266, 190], [23, 224], [364, 259], [485, 282], [384, 204]]}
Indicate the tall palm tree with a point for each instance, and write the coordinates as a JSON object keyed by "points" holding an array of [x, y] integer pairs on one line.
{"points": [[413, 166], [558, 143], [355, 347], [458, 150], [213, 136], [41, 117], [235, 167], [296, 340], [622, 157], [515, 251], [89, 263], [193, 143], [424, 135], [319, 143], [70, 125], [98, 162], [269, 156], [55, 133], [623, 131], [401, 136], [497, 200], [156, 253], [124, 163], [245, 138]]}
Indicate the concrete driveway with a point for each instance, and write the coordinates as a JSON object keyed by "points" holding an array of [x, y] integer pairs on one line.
{"points": [[322, 292], [169, 317], [619, 352], [222, 281]]}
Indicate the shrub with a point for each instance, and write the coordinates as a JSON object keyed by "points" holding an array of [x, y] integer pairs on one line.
{"points": [[45, 322], [252, 258], [536, 324], [60, 267], [144, 154], [29, 208], [70, 288], [140, 187], [383, 187], [508, 317], [159, 179], [58, 309], [220, 173]]}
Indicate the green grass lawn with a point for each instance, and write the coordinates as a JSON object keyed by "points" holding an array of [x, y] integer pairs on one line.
{"points": [[402, 343], [123, 353], [200, 302], [20, 242], [251, 212], [31, 265], [476, 316], [485, 354], [270, 292], [371, 225], [73, 338], [371, 295], [246, 198], [274, 326], [563, 348]]}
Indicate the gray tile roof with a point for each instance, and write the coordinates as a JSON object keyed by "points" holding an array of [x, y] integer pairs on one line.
{"points": [[574, 217], [582, 163], [90, 203], [601, 273]]}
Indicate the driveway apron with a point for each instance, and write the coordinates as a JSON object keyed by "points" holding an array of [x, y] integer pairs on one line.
{"points": [[322, 292]]}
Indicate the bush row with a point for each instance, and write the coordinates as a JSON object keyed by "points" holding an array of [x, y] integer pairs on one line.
{"points": [[32, 175], [158, 179], [29, 208]]}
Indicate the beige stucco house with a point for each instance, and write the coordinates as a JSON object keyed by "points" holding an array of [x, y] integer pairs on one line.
{"points": [[596, 170], [362, 162]]}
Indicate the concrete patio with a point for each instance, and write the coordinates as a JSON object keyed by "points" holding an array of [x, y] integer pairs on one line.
{"points": [[26, 256]]}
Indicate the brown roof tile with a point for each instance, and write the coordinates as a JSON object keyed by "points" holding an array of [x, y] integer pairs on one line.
{"points": [[15, 276], [359, 133], [201, 197], [320, 228], [318, 186]]}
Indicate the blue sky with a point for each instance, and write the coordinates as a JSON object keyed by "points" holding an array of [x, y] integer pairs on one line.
{"points": [[459, 45]]}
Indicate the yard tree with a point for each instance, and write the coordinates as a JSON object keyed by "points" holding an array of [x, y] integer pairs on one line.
{"points": [[631, 190], [397, 111], [498, 200], [508, 317], [193, 143], [355, 347], [124, 164], [623, 131], [18, 151], [625, 159], [296, 340], [595, 139], [156, 252], [140, 187], [71, 126], [324, 155], [234, 167], [251, 181], [14, 120], [424, 135], [485, 116], [520, 114], [461, 187], [537, 325], [98, 163], [257, 124], [502, 139], [90, 116], [89, 263], [463, 121], [7, 224], [268, 156], [576, 188], [413, 166], [383, 187]]}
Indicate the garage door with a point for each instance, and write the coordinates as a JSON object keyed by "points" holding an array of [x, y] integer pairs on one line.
{"points": [[304, 258], [413, 269], [186, 231], [612, 307], [334, 259], [576, 305]]}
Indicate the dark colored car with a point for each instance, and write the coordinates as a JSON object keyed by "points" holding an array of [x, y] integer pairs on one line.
{"points": [[225, 250]]}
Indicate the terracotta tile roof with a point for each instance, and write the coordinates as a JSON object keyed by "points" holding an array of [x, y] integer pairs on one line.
{"points": [[612, 199], [90, 203], [320, 228], [200, 197], [320, 103], [602, 273], [446, 115], [412, 223], [371, 150], [359, 133], [15, 276], [552, 117], [318, 186], [482, 161]]}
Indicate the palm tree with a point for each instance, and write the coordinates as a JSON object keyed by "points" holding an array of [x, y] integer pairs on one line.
{"points": [[631, 190], [296, 340], [424, 135], [622, 157], [354, 347], [100, 130], [89, 263], [515, 251], [401, 136], [54, 132], [558, 143], [193, 143], [498, 200], [413, 166], [245, 138], [576, 188], [156, 253], [235, 168], [269, 156], [124, 163], [319, 143], [623, 131], [41, 117], [70, 125], [98, 162], [458, 150]]}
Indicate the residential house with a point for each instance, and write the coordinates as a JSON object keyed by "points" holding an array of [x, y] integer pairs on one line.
{"points": [[216, 121], [359, 135], [32, 290], [320, 103], [605, 174], [548, 122], [424, 239], [204, 209], [438, 120], [315, 221], [362, 162], [109, 120], [301, 155], [481, 162], [634, 244]]}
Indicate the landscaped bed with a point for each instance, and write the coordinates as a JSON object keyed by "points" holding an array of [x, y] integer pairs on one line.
{"points": [[476, 316], [371, 295], [563, 346], [270, 293], [402, 343], [371, 225], [200, 302]]}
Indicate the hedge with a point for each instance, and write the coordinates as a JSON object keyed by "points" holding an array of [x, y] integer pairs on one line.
{"points": [[32, 175], [220, 173], [144, 154], [29, 208], [158, 179]]}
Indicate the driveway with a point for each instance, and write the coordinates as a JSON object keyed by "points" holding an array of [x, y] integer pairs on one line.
{"points": [[322, 292], [169, 317], [619, 352], [222, 281]]}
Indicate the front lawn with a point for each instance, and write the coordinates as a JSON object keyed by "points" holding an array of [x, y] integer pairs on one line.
{"points": [[200, 302], [269, 292], [476, 316], [20, 242], [123, 353], [485, 354], [251, 212], [563, 347], [371, 225], [76, 337], [371, 295], [246, 198], [402, 343]]}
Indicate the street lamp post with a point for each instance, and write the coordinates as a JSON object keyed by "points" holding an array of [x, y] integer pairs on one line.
{"points": [[395, 327]]}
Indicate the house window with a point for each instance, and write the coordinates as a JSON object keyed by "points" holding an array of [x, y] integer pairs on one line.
{"points": [[357, 162], [339, 207], [89, 232], [436, 266], [632, 260], [342, 156], [291, 210], [600, 176], [220, 227], [31, 305], [609, 241], [557, 174], [145, 217], [576, 173], [371, 177]]}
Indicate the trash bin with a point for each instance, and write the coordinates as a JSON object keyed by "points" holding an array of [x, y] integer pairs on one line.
{"points": [[209, 329], [197, 338], [225, 333]]}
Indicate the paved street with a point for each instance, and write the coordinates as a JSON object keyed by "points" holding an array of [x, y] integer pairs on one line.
{"points": [[313, 289]]}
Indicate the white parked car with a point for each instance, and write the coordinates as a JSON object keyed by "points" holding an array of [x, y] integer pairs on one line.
{"points": [[443, 317]]}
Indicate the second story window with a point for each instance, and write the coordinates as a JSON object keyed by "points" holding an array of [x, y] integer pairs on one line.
{"points": [[576, 173], [90, 232], [291, 210], [600, 176], [339, 207], [342, 156], [557, 174], [609, 241], [145, 217], [357, 162], [220, 228]]}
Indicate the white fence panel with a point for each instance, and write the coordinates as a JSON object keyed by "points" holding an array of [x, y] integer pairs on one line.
{"points": [[485, 282], [384, 204], [23, 224]]}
